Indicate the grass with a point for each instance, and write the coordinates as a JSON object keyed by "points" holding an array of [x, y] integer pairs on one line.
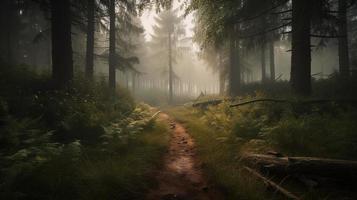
{"points": [[128, 175], [125, 175], [81, 142], [220, 157], [223, 134]]}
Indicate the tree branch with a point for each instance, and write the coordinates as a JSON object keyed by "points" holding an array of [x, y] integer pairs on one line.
{"points": [[265, 32], [259, 14], [327, 36], [317, 101], [282, 12]]}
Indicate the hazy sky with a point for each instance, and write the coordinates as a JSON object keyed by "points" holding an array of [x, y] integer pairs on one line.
{"points": [[203, 76], [148, 20]]}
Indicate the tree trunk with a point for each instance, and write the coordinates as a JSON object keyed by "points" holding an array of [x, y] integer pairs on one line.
{"points": [[112, 78], [134, 79], [62, 58], [234, 75], [170, 71], [90, 40], [272, 185], [341, 169], [263, 61], [301, 52], [272, 61], [222, 76], [126, 74], [222, 82], [49, 55], [7, 16], [343, 51]]}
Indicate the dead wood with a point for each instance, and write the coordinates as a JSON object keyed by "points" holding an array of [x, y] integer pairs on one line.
{"points": [[316, 101], [272, 184], [331, 168]]}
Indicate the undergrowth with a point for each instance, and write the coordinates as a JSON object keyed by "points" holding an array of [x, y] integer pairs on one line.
{"points": [[81, 142], [223, 134], [219, 153]]}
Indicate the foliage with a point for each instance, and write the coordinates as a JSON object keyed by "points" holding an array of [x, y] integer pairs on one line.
{"points": [[319, 135], [325, 130], [50, 140], [223, 134], [219, 152]]}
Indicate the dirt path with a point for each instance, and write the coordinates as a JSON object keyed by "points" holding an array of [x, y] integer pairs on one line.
{"points": [[181, 177]]}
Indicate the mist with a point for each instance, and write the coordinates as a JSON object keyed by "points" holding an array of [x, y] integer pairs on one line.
{"points": [[178, 99]]}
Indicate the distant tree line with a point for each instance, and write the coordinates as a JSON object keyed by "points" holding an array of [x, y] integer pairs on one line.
{"points": [[26, 24], [227, 29]]}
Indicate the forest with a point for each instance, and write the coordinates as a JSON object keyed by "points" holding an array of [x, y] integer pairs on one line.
{"points": [[178, 99]]}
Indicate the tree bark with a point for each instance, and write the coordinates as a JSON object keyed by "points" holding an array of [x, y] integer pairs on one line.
{"points": [[62, 58], [89, 70], [343, 51], [170, 72], [134, 79], [7, 10], [272, 61], [340, 169], [301, 53], [263, 61], [287, 194], [222, 76], [112, 50], [234, 75]]}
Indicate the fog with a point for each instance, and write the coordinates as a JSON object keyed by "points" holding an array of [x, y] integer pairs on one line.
{"points": [[145, 71]]}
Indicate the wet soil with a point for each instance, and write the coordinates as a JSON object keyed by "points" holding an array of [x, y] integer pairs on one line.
{"points": [[181, 177]]}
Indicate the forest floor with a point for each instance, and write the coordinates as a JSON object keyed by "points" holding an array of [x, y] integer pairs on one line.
{"points": [[181, 176]]}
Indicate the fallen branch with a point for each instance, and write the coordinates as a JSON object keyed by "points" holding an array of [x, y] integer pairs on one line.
{"points": [[208, 103], [212, 102], [329, 168], [260, 100], [155, 115], [317, 101], [273, 185]]}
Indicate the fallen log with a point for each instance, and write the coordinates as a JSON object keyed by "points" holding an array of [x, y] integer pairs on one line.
{"points": [[208, 103], [316, 101], [212, 102], [273, 185], [260, 100], [332, 168]]}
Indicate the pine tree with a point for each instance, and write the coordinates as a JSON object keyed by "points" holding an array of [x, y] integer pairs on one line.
{"points": [[166, 40]]}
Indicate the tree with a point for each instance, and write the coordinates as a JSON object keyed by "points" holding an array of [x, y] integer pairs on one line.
{"points": [[301, 44], [217, 28], [272, 60], [112, 43], [89, 69], [166, 38], [12, 23], [343, 51], [62, 59], [234, 70]]}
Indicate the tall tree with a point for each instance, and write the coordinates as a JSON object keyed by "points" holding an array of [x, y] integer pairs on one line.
{"points": [[263, 60], [301, 44], [62, 58], [166, 40], [235, 72], [170, 67], [112, 44], [272, 60], [343, 52], [89, 69]]}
